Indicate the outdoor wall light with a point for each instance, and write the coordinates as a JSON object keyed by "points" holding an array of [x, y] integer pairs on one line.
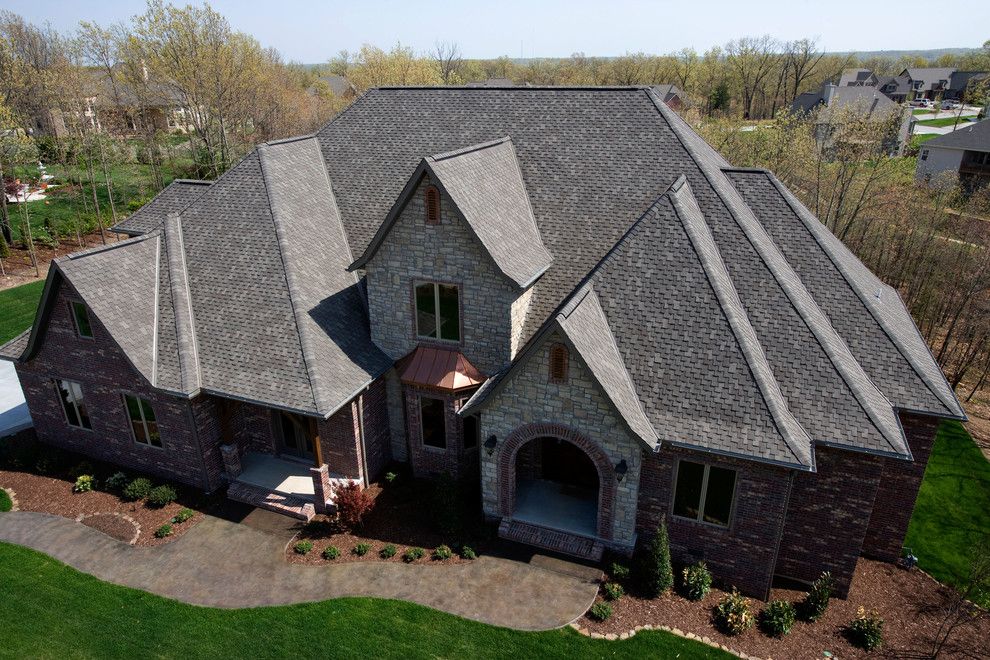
{"points": [[621, 469], [490, 444]]}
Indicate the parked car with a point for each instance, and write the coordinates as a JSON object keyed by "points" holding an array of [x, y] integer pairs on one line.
{"points": [[922, 103], [950, 105]]}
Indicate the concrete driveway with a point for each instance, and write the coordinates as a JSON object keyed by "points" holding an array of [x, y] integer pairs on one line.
{"points": [[14, 414]]}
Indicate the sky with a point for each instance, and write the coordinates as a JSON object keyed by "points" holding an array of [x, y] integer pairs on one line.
{"points": [[312, 32]]}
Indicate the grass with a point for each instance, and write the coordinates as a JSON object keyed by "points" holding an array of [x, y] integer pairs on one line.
{"points": [[943, 121], [5, 503], [952, 514], [18, 305], [918, 140], [98, 619]]}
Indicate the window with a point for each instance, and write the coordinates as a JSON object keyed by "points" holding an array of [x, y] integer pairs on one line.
{"points": [[704, 493], [432, 205], [143, 423], [71, 394], [924, 154], [558, 363], [437, 312], [433, 421], [472, 431], [81, 314]]}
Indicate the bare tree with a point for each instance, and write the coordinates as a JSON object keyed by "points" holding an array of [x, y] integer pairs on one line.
{"points": [[752, 60], [447, 57], [958, 609]]}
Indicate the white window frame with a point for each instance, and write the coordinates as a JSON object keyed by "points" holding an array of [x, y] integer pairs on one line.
{"points": [[436, 313], [75, 319], [75, 405], [144, 420], [700, 519]]}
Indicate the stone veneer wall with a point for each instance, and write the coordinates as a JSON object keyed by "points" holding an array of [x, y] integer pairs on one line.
{"points": [[530, 398], [899, 485], [446, 253], [105, 374], [742, 554], [828, 515]]}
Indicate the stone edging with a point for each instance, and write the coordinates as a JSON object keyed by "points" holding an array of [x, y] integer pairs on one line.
{"points": [[13, 498], [137, 526], [674, 631]]}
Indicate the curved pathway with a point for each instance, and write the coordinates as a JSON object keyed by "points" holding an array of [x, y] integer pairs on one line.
{"points": [[218, 563]]}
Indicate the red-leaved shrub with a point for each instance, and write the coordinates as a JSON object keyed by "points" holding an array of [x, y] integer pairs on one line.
{"points": [[353, 503]]}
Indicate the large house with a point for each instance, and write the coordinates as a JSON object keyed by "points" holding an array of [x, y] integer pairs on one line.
{"points": [[963, 154], [563, 296], [933, 83], [835, 104]]}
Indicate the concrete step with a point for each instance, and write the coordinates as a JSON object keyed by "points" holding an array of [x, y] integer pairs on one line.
{"points": [[551, 539], [262, 498]]}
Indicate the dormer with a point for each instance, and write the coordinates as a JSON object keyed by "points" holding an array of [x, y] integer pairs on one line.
{"points": [[454, 261]]}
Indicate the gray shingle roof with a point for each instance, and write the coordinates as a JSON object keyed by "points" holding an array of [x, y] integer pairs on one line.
{"points": [[867, 100], [975, 137], [929, 75], [172, 199]]}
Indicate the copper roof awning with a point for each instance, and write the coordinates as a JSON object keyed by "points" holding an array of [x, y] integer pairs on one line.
{"points": [[439, 367]]}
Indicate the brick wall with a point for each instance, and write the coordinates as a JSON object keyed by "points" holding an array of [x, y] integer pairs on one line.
{"points": [[828, 515], [742, 554], [446, 253], [105, 374], [377, 436], [899, 484], [432, 461], [340, 442]]}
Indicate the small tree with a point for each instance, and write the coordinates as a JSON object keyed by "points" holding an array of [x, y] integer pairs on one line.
{"points": [[656, 575], [957, 606], [353, 503]]}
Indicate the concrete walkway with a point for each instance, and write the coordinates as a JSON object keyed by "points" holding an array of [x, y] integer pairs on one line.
{"points": [[224, 564], [14, 414]]}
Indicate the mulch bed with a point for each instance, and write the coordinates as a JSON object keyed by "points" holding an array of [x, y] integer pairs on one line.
{"points": [[401, 517], [908, 601], [113, 524]]}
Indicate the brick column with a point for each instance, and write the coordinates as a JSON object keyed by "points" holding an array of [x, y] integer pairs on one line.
{"points": [[231, 460], [321, 487]]}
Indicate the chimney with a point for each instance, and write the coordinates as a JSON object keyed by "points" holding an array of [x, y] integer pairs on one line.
{"points": [[828, 91]]}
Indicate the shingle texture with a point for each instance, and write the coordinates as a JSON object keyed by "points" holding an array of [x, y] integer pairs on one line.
{"points": [[974, 136], [175, 197]]}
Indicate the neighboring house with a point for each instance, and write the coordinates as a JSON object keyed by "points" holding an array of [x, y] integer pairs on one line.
{"points": [[928, 83], [964, 152], [896, 88], [833, 103], [963, 83], [563, 296], [858, 78], [915, 83], [337, 85], [671, 95]]}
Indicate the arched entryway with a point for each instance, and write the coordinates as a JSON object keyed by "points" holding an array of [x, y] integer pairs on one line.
{"points": [[555, 477]]}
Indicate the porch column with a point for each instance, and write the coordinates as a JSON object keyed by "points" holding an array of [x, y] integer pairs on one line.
{"points": [[231, 460], [321, 488]]}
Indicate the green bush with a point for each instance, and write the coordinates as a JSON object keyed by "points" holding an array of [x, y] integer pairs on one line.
{"points": [[777, 618], [696, 581], [361, 549], [468, 553], [442, 552], [732, 615], [388, 551], [866, 630], [160, 496], [84, 484], [50, 462], [412, 554], [5, 502], [115, 481], [656, 575], [163, 531], [601, 611], [619, 571], [183, 515], [816, 600], [137, 489], [303, 547], [613, 591], [331, 552], [81, 468], [390, 477]]}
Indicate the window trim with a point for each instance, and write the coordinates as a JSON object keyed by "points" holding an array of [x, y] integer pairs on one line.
{"points": [[75, 319], [75, 406], [144, 421], [422, 431], [436, 302], [704, 494]]}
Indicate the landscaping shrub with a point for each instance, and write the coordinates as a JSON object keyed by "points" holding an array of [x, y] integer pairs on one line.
{"points": [[303, 547], [361, 549], [81, 468], [5, 503], [656, 575], [388, 551], [163, 531], [115, 481], [777, 618], [613, 591], [318, 528], [390, 477], [353, 503], [84, 484], [816, 600], [412, 554], [160, 496], [619, 571], [442, 552], [601, 611], [866, 630], [468, 553], [331, 552], [50, 462], [697, 581], [183, 515], [732, 615], [137, 489]]}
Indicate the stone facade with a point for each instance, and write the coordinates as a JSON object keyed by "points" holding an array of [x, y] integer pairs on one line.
{"points": [[577, 404], [448, 253]]}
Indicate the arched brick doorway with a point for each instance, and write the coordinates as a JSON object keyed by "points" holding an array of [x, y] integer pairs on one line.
{"points": [[568, 445]]}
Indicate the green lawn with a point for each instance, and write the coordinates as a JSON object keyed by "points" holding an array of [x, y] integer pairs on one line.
{"points": [[918, 140], [5, 503], [50, 610], [952, 514], [943, 121], [18, 305]]}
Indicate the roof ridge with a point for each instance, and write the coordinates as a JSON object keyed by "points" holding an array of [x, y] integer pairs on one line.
{"points": [[469, 149], [98, 249], [190, 378]]}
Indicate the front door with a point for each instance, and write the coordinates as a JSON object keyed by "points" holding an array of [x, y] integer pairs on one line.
{"points": [[294, 436]]}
